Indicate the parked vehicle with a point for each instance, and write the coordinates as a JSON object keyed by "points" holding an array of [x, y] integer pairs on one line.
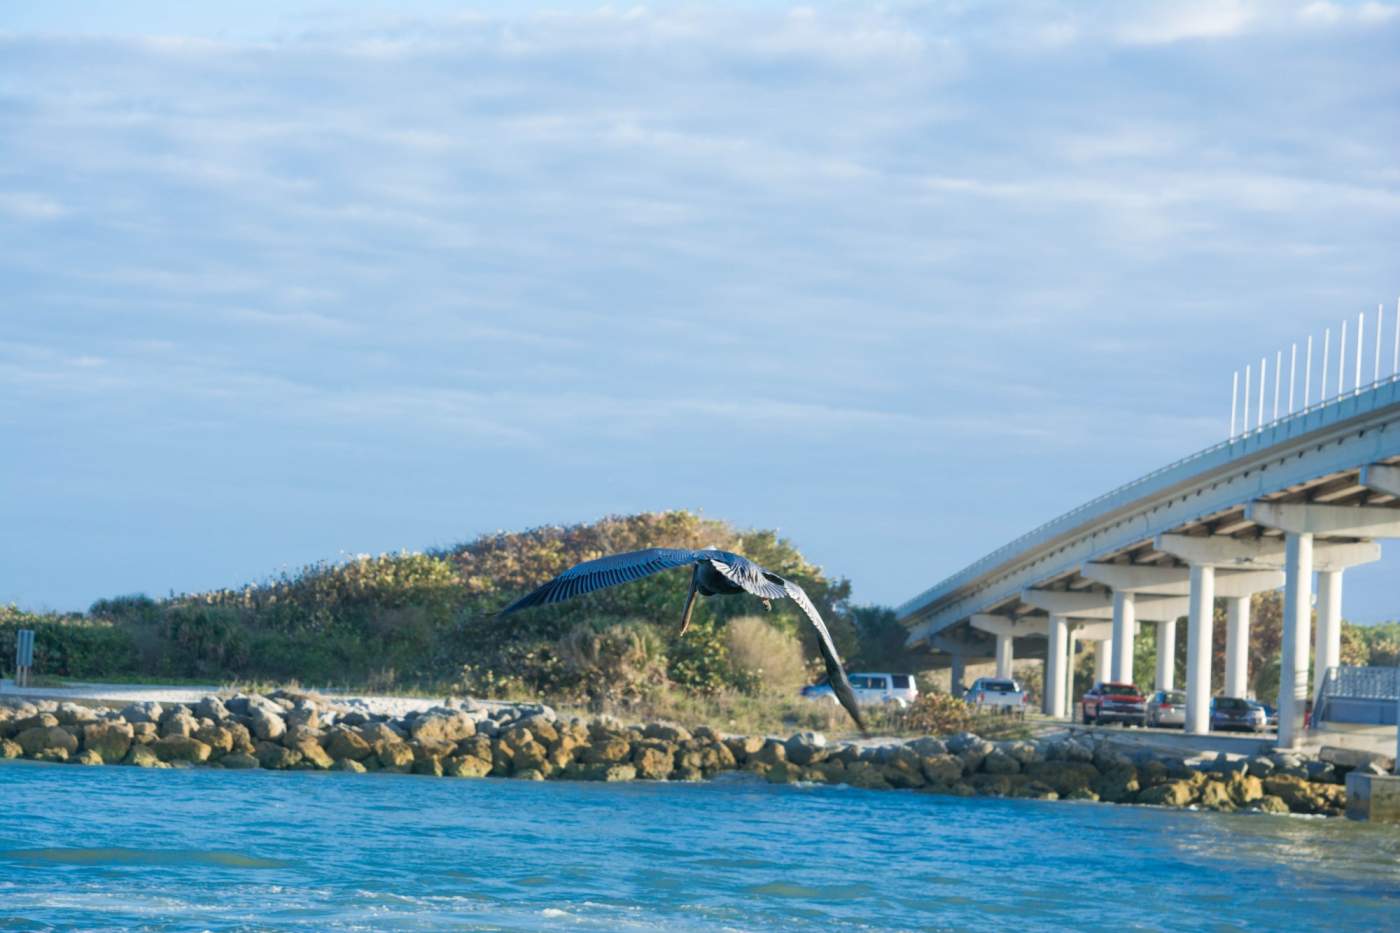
{"points": [[1236, 713], [1115, 703], [1167, 708], [997, 693], [895, 689], [1270, 715]]}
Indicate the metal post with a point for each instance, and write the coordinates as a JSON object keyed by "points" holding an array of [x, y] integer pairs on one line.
{"points": [[1263, 378], [1292, 375], [1307, 376], [1380, 332], [1360, 341], [1278, 379], [1395, 357], [1342, 360], [1234, 400], [1246, 399], [1326, 345]]}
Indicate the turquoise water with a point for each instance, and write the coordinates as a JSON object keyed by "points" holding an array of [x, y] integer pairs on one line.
{"points": [[227, 850]]}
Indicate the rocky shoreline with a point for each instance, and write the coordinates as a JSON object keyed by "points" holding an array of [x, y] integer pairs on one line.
{"points": [[289, 730]]}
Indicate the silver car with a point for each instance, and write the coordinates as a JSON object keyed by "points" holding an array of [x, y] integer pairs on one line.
{"points": [[1167, 708]]}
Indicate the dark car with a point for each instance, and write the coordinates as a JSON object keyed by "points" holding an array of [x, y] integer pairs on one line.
{"points": [[1236, 713], [1115, 703]]}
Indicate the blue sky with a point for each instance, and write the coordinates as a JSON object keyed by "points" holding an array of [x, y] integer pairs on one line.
{"points": [[902, 282]]}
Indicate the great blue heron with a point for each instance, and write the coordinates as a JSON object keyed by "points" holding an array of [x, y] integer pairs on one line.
{"points": [[716, 573]]}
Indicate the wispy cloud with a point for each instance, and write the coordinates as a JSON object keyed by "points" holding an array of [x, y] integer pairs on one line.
{"points": [[585, 258]]}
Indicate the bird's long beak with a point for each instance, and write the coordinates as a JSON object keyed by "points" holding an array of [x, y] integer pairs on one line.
{"points": [[690, 600]]}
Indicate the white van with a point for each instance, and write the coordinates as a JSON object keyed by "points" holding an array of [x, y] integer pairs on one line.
{"points": [[897, 689]]}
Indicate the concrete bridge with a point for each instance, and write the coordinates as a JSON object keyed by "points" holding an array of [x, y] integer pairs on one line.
{"points": [[1308, 493]]}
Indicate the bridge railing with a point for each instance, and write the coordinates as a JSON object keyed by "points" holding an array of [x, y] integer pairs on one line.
{"points": [[1365, 695], [1287, 426]]}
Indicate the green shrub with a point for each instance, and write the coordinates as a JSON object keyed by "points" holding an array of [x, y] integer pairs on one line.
{"points": [[615, 663], [699, 659], [69, 646]]}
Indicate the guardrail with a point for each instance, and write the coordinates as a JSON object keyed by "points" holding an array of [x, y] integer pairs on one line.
{"points": [[1365, 695]]}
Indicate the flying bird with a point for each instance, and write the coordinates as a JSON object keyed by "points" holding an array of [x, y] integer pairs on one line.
{"points": [[715, 573]]}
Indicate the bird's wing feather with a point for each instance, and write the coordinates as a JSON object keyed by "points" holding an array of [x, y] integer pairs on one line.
{"points": [[604, 572], [835, 672], [744, 573]]}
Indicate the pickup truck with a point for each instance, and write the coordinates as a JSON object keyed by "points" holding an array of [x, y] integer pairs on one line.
{"points": [[997, 693], [1115, 703]]}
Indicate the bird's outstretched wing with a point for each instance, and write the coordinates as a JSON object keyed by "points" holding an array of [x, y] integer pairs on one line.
{"points": [[607, 571], [836, 674], [744, 573]]}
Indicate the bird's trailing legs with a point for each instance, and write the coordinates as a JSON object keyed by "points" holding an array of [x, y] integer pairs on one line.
{"points": [[690, 600]]}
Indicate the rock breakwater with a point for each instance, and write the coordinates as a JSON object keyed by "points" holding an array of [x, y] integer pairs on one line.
{"points": [[290, 730]]}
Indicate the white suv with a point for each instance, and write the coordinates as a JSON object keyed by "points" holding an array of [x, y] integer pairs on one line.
{"points": [[897, 689]]}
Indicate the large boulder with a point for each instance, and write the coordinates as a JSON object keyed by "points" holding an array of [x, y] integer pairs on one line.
{"points": [[181, 748], [219, 738], [667, 732], [72, 714], [272, 756], [1305, 797], [394, 756], [211, 707], [266, 725], [110, 739], [177, 720], [806, 748], [654, 759], [942, 769], [927, 745], [1169, 794], [451, 727], [36, 720], [142, 757], [238, 760], [1116, 785], [999, 762], [466, 766], [1215, 795], [312, 754], [37, 740], [341, 742], [9, 749], [1064, 776], [88, 757], [607, 751], [142, 712], [303, 715]]}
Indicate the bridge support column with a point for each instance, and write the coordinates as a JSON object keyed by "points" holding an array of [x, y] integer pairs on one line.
{"points": [[1055, 656], [956, 676], [1297, 620], [1124, 628], [1166, 655], [1005, 655], [1237, 646], [1199, 634], [1072, 646], [1102, 650], [1327, 650]]}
